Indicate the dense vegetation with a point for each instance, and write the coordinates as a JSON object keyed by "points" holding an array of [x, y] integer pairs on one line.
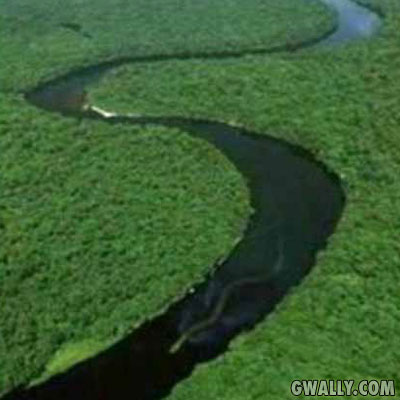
{"points": [[95, 219], [54, 36], [343, 104]]}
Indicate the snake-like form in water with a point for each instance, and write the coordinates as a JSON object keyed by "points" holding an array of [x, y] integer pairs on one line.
{"points": [[226, 294]]}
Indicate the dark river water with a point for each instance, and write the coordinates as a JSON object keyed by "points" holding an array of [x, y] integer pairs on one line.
{"points": [[297, 204]]}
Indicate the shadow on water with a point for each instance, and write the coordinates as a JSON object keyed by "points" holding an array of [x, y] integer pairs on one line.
{"points": [[297, 204]]}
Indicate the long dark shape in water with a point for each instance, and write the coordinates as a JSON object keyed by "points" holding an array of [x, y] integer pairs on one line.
{"points": [[297, 204]]}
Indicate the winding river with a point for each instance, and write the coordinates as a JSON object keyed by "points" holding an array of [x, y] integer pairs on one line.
{"points": [[297, 204]]}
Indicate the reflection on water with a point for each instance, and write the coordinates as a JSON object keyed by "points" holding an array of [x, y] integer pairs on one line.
{"points": [[355, 22]]}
